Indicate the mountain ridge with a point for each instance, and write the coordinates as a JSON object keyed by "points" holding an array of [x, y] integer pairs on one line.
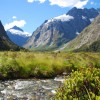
{"points": [[57, 31], [5, 42], [86, 38], [18, 36]]}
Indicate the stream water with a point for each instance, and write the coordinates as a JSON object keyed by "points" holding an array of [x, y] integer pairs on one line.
{"points": [[29, 89]]}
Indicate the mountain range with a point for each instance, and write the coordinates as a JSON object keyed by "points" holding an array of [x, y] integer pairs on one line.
{"points": [[88, 39], [18, 36], [77, 30], [58, 31]]}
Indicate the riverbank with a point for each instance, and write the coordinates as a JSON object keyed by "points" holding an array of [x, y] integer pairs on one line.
{"points": [[36, 76], [23, 65]]}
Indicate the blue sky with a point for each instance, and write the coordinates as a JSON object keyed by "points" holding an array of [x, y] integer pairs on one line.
{"points": [[30, 14]]}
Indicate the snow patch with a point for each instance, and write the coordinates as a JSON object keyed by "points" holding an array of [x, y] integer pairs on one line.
{"points": [[83, 17], [62, 18], [92, 19], [77, 33], [17, 32]]}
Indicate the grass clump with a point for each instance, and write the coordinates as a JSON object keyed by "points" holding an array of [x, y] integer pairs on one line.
{"points": [[44, 65]]}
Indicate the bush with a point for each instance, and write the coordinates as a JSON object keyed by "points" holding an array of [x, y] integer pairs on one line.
{"points": [[81, 85]]}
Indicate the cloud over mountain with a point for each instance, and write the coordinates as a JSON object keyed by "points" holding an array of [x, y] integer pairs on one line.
{"points": [[19, 23]]}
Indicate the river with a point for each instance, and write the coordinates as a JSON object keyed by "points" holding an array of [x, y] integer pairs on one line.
{"points": [[29, 89]]}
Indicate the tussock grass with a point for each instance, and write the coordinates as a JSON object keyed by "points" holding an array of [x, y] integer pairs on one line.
{"points": [[44, 65]]}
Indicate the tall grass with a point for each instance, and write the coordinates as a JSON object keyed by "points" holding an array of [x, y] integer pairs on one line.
{"points": [[44, 65]]}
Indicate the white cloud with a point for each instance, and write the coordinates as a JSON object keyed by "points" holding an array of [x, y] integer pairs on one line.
{"points": [[64, 3], [31, 1], [19, 23], [14, 17], [42, 1], [14, 31], [69, 3], [92, 3], [81, 4]]}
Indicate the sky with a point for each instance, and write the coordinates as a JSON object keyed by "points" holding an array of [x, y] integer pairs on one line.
{"points": [[30, 14]]}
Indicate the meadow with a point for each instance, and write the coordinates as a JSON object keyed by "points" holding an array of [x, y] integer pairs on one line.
{"points": [[44, 65]]}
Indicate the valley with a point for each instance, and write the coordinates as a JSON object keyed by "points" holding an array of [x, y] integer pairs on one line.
{"points": [[60, 60]]}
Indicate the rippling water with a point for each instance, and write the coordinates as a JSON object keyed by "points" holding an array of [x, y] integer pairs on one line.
{"points": [[30, 89]]}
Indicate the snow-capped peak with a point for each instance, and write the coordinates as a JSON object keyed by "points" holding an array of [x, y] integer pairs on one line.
{"points": [[17, 28], [17, 31], [62, 18]]}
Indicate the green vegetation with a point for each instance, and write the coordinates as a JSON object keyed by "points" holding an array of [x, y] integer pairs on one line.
{"points": [[83, 82], [5, 43], [44, 65], [94, 47]]}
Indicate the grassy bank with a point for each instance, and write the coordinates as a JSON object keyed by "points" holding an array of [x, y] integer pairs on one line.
{"points": [[44, 65]]}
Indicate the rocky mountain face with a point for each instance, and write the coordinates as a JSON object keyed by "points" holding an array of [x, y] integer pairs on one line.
{"points": [[57, 31], [87, 40], [18, 36], [98, 10], [5, 42]]}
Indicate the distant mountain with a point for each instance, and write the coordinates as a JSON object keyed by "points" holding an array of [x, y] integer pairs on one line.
{"points": [[5, 42], [18, 36], [57, 31], [88, 39]]}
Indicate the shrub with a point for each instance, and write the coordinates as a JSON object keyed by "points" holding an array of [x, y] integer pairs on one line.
{"points": [[81, 85]]}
